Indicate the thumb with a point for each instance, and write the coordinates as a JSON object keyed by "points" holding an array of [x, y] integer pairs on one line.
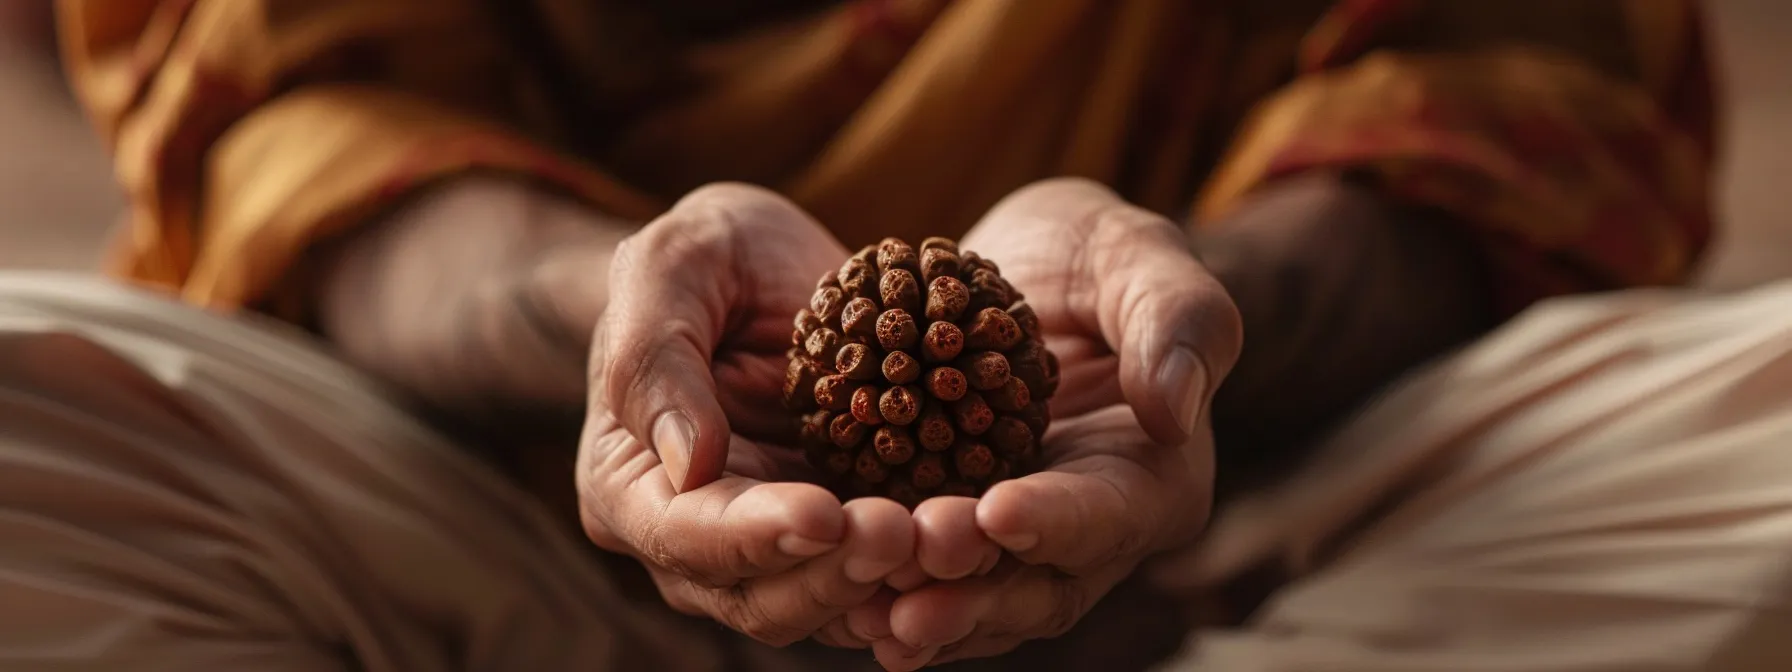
{"points": [[672, 288], [1175, 329], [650, 359]]}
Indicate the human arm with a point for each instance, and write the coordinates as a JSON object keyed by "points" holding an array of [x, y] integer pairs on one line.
{"points": [[260, 142], [1435, 168], [1359, 233]]}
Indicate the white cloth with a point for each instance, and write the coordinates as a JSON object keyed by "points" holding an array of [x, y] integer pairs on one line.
{"points": [[1604, 485], [180, 491]]}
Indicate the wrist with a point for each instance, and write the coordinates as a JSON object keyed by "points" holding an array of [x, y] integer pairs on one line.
{"points": [[468, 295], [1341, 290]]}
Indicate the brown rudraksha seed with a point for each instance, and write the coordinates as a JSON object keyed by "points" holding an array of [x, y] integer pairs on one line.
{"points": [[917, 373]]}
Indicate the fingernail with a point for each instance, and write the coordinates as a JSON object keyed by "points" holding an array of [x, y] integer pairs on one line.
{"points": [[1019, 542], [925, 656], [865, 570], [1183, 378], [673, 439], [869, 624], [803, 547], [906, 658]]}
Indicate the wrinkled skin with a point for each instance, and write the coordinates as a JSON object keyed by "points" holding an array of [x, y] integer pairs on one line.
{"points": [[685, 462], [1144, 336]]}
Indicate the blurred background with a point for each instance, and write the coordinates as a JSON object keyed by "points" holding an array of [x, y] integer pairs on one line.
{"points": [[57, 199]]}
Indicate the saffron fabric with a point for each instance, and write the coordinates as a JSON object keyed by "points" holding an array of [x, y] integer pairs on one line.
{"points": [[1574, 139]]}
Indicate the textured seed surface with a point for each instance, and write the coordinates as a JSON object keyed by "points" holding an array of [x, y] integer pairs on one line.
{"points": [[896, 330], [894, 254], [940, 243], [946, 299], [942, 343], [987, 370], [855, 361], [799, 383], [870, 468], [1010, 436], [1011, 397], [900, 368], [835, 463], [859, 317], [1025, 318], [833, 392], [900, 405], [864, 406], [845, 431], [827, 303], [929, 471], [972, 415], [857, 279], [993, 330], [807, 322], [946, 384], [937, 263], [900, 291], [893, 445], [934, 429], [918, 371], [974, 460], [824, 344]]}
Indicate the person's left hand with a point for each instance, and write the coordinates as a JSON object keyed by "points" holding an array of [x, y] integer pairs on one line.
{"points": [[1144, 336]]}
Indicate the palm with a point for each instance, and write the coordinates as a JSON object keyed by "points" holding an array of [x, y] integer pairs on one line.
{"points": [[1043, 248], [685, 463], [1142, 334]]}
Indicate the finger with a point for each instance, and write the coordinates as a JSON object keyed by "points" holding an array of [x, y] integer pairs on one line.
{"points": [[837, 634], [1021, 602], [909, 577], [672, 287], [787, 607], [1134, 282], [1090, 511], [871, 621], [948, 543], [1174, 327], [731, 529], [993, 614], [898, 657]]}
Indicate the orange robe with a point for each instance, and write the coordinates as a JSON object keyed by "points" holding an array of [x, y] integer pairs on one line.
{"points": [[1575, 138]]}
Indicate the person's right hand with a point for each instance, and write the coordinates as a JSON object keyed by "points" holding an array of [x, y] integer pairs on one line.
{"points": [[684, 463]]}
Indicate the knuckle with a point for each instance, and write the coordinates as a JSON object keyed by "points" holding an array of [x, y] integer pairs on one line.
{"points": [[679, 594], [648, 541], [1120, 233], [818, 594], [745, 612], [596, 491], [676, 241], [626, 257], [1068, 605], [727, 204], [727, 194], [1135, 537], [1054, 191], [655, 544], [598, 531], [1132, 542]]}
